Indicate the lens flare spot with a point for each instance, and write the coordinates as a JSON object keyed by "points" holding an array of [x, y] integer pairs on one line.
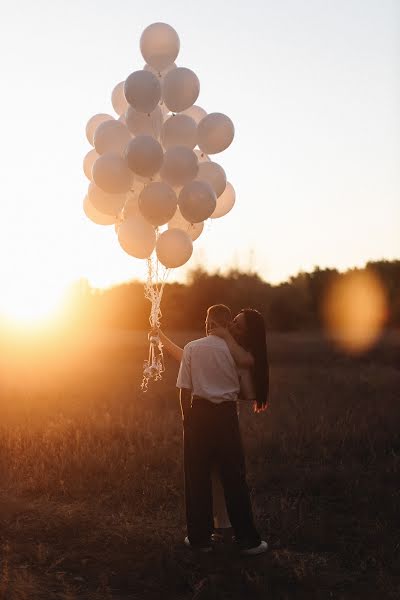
{"points": [[354, 310]]}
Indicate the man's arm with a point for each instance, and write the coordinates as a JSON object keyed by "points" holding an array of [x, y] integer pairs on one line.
{"points": [[184, 381], [185, 371], [186, 400], [173, 349]]}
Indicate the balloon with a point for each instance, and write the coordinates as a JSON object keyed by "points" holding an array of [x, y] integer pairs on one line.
{"points": [[197, 201], [214, 174], [88, 162], [159, 45], [166, 113], [112, 174], [215, 133], [140, 123], [174, 248], [143, 91], [96, 216], [195, 112], [111, 136], [136, 236], [93, 124], [192, 229], [144, 155], [181, 89], [132, 205], [180, 165], [160, 74], [225, 202], [130, 209], [157, 203], [201, 157], [118, 99], [179, 130], [109, 204]]}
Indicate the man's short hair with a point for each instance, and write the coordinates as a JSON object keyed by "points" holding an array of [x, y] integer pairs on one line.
{"points": [[220, 314]]}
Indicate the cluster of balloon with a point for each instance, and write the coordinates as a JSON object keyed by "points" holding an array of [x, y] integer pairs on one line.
{"points": [[150, 172]]}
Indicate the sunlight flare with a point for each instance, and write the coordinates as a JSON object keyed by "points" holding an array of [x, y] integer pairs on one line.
{"points": [[354, 310]]}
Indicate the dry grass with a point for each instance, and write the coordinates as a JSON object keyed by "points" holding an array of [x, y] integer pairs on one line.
{"points": [[91, 500]]}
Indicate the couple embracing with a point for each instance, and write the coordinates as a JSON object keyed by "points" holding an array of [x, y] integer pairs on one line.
{"points": [[227, 365]]}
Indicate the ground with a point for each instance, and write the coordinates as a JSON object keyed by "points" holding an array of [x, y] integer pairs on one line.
{"points": [[91, 500]]}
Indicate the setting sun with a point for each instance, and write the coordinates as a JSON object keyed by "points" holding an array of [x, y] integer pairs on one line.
{"points": [[29, 300]]}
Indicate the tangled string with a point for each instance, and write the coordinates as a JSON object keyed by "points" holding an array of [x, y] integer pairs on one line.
{"points": [[153, 290]]}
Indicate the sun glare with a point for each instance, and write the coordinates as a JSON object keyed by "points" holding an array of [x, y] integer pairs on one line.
{"points": [[26, 304], [355, 310]]}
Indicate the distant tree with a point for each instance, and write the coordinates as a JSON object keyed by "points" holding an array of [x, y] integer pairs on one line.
{"points": [[292, 305]]}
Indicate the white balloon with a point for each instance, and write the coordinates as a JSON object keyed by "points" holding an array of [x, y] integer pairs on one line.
{"points": [[95, 215], [93, 123], [112, 174], [144, 155], [179, 130], [136, 236], [142, 90], [111, 136], [159, 45], [131, 207], [180, 165], [166, 113], [225, 202], [174, 248], [197, 201], [195, 112], [181, 88], [109, 204], [140, 123], [214, 174], [118, 100], [160, 74], [192, 229], [157, 203], [201, 156], [215, 133], [88, 163]]}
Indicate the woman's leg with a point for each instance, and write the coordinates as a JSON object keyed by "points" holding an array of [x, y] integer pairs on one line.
{"points": [[221, 517]]}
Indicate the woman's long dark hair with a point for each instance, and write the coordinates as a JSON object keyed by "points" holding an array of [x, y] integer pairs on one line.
{"points": [[255, 342]]}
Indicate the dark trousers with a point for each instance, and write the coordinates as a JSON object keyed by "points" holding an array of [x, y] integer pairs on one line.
{"points": [[211, 437]]}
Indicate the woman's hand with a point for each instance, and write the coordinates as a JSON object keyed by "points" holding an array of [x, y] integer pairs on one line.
{"points": [[221, 332]]}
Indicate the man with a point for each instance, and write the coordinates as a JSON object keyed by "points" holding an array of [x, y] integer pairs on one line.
{"points": [[209, 388]]}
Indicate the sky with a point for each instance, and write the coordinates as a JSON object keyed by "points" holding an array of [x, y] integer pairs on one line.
{"points": [[312, 86]]}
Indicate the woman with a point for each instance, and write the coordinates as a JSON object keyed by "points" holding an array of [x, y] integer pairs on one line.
{"points": [[246, 340]]}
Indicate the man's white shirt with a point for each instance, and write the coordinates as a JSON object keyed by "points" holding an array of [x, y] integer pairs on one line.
{"points": [[208, 369]]}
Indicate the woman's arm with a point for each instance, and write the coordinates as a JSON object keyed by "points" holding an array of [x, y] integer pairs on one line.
{"points": [[172, 349], [241, 357]]}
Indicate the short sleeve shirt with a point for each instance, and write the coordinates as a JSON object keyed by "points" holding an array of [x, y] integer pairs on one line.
{"points": [[208, 369]]}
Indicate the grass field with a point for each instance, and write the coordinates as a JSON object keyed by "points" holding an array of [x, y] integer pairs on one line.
{"points": [[91, 496]]}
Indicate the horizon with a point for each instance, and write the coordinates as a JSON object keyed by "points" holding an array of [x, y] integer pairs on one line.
{"points": [[313, 93]]}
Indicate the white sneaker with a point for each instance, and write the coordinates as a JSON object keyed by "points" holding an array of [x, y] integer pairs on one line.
{"points": [[198, 548], [260, 549]]}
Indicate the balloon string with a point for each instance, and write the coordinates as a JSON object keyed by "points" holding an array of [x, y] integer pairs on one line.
{"points": [[153, 290]]}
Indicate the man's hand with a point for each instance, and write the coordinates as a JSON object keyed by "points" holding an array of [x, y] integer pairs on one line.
{"points": [[153, 333]]}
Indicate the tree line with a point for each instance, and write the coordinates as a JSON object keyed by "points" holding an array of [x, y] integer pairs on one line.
{"points": [[292, 305]]}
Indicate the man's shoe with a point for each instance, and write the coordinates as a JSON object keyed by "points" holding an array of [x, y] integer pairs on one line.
{"points": [[260, 549], [204, 549]]}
